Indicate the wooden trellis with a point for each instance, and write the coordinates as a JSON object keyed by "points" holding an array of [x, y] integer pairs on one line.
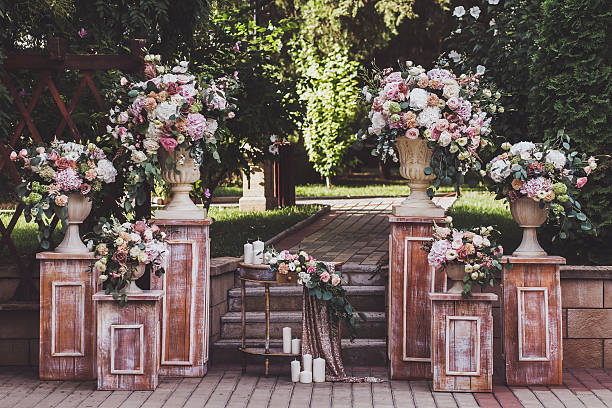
{"points": [[56, 60]]}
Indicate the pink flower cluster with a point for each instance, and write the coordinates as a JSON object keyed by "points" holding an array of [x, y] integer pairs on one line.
{"points": [[68, 180]]}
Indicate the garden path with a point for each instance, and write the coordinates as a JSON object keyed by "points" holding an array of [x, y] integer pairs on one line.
{"points": [[355, 231], [227, 387]]}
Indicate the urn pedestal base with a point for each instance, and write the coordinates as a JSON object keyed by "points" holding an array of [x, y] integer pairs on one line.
{"points": [[186, 287], [67, 316], [411, 279], [532, 320], [462, 342]]}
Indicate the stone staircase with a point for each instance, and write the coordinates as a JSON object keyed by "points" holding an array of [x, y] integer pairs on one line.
{"points": [[366, 293]]}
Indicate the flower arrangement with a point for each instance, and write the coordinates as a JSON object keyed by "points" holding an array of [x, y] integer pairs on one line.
{"points": [[321, 281], [452, 113], [122, 249], [171, 109], [52, 173], [549, 174], [476, 249]]}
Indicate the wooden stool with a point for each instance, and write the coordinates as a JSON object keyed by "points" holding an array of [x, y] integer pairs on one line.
{"points": [[128, 341], [67, 314], [532, 320], [462, 342]]}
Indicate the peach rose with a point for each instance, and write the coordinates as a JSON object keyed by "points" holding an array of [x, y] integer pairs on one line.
{"points": [[325, 277], [335, 280]]}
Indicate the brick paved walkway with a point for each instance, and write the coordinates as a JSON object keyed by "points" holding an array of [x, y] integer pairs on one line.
{"points": [[356, 231], [20, 388]]}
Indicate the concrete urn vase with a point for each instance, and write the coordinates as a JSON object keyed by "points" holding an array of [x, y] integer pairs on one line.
{"points": [[414, 157], [455, 274], [78, 208], [181, 171], [529, 216], [138, 272]]}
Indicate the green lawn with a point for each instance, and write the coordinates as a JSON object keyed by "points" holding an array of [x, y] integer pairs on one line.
{"points": [[229, 232]]}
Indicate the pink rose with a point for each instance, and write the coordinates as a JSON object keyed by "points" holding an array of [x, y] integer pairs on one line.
{"points": [[140, 226], [231, 115], [581, 182], [23, 153], [325, 277], [53, 156], [182, 79], [61, 200], [452, 103], [13, 156], [123, 81], [40, 150], [123, 117], [412, 133], [155, 228], [172, 88], [85, 188], [311, 269], [168, 143]]}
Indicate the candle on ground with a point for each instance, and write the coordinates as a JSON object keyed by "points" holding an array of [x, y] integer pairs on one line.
{"points": [[318, 370], [258, 249], [305, 377], [248, 253], [307, 362], [287, 340], [296, 346], [295, 371]]}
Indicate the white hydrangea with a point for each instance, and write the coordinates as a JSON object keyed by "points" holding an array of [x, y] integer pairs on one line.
{"points": [[556, 157], [165, 110], [523, 149], [378, 124], [418, 98], [106, 171], [500, 169], [428, 116]]}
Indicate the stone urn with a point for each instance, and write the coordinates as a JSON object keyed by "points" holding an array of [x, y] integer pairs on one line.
{"points": [[181, 171], [529, 216], [414, 157], [78, 208], [455, 274], [138, 272]]}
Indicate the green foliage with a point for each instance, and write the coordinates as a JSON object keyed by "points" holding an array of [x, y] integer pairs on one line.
{"points": [[330, 90], [572, 76]]}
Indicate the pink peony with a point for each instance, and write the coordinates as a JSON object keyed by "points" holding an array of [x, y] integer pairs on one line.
{"points": [[195, 125], [13, 156], [140, 226], [412, 133], [325, 277], [581, 182], [168, 143], [23, 153]]}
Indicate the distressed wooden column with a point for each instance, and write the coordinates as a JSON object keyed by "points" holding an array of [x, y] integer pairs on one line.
{"points": [[462, 342], [128, 341], [408, 308], [185, 312], [532, 320], [67, 316]]}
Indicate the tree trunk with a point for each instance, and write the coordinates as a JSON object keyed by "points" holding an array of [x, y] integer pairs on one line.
{"points": [[327, 181], [384, 170]]}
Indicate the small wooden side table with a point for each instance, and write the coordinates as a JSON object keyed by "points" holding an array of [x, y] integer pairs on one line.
{"points": [[129, 341], [462, 342], [266, 350]]}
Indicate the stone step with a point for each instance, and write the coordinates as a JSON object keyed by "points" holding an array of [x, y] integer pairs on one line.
{"points": [[362, 352], [373, 327], [287, 298]]}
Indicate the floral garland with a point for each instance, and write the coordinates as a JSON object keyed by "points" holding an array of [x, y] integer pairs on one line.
{"points": [[124, 247], [172, 109], [452, 114], [326, 285], [52, 173], [547, 173], [475, 248]]}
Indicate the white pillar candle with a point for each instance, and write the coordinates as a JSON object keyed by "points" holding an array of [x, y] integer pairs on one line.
{"points": [[318, 370], [305, 377], [258, 248], [248, 253], [307, 362], [287, 340], [296, 346], [295, 371]]}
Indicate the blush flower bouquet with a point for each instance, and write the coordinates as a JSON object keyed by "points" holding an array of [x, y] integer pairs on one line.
{"points": [[453, 114], [321, 280], [474, 254], [53, 173], [171, 109], [124, 251], [547, 173]]}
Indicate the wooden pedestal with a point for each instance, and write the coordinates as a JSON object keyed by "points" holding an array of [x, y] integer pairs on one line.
{"points": [[67, 316], [185, 314], [408, 309], [532, 320], [462, 342], [128, 341]]}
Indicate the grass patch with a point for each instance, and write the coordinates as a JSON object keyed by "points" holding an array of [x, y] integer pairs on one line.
{"points": [[24, 236], [231, 228]]}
